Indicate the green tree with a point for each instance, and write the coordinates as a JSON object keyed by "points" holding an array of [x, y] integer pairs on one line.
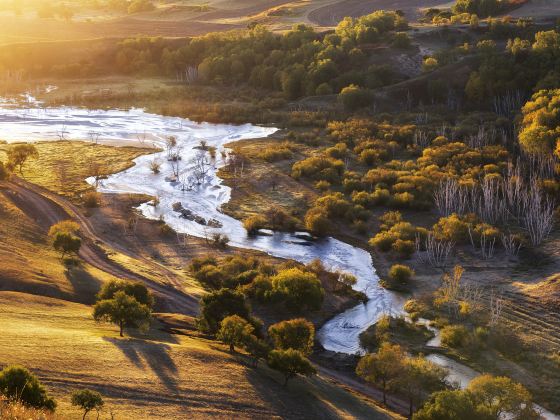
{"points": [[297, 334], [300, 290], [450, 405], [20, 384], [87, 400], [222, 303], [383, 367], [354, 97], [66, 243], [540, 133], [290, 363], [317, 221], [137, 290], [122, 310], [486, 398], [19, 154], [65, 226], [257, 348], [400, 273], [496, 396], [234, 331], [419, 376]]}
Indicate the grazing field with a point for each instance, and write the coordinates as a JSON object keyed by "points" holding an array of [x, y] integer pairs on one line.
{"points": [[158, 375]]}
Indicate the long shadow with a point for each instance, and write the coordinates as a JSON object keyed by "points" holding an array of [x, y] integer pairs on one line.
{"points": [[84, 284], [155, 355]]}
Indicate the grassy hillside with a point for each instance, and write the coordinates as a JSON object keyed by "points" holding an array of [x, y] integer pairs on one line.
{"points": [[158, 375], [30, 264]]}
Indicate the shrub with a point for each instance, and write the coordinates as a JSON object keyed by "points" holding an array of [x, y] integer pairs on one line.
{"points": [[277, 152], [389, 219], [354, 97], [298, 289], [91, 199], [404, 249], [323, 89], [451, 228], [322, 185], [278, 219], [401, 40], [430, 64], [319, 168], [317, 221], [18, 383], [454, 336], [260, 288], [210, 275], [253, 223], [400, 273], [219, 240], [383, 241]]}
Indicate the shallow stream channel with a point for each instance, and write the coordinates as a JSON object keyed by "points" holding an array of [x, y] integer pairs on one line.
{"points": [[191, 204]]}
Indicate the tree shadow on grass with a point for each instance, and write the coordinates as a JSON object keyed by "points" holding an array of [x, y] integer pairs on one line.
{"points": [[309, 397], [84, 284], [155, 355]]}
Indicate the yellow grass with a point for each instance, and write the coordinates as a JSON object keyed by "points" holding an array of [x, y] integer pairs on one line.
{"points": [[30, 264], [154, 376], [63, 166], [253, 192]]}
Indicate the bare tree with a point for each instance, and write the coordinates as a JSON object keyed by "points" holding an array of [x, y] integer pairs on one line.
{"points": [[170, 146], [175, 167], [538, 215], [496, 307], [62, 132], [94, 136], [421, 139], [511, 244], [433, 251], [450, 197], [492, 207], [200, 167], [451, 289]]}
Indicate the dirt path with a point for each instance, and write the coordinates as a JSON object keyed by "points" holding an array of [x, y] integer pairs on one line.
{"points": [[48, 208]]}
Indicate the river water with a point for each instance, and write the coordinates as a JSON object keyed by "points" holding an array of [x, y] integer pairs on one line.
{"points": [[34, 122]]}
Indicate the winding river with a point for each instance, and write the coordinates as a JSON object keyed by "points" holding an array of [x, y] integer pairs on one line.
{"points": [[31, 121]]}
